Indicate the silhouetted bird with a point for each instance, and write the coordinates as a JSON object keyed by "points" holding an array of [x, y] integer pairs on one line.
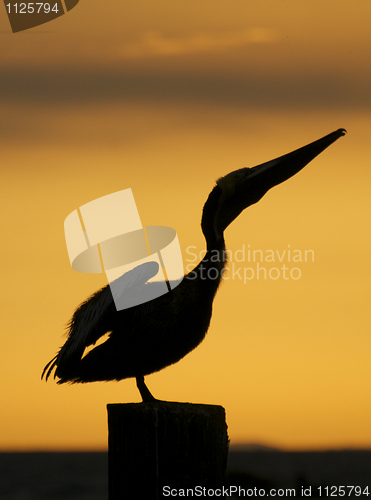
{"points": [[148, 337]]}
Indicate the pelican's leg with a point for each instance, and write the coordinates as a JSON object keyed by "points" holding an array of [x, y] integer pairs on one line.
{"points": [[144, 391]]}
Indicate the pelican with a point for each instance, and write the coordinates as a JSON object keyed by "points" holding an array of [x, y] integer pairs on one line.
{"points": [[148, 337]]}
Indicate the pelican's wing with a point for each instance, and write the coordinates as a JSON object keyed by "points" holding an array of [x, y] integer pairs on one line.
{"points": [[95, 317], [85, 328], [86, 325], [136, 278]]}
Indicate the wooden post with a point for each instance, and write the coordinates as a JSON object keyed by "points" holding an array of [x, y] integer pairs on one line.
{"points": [[162, 444]]}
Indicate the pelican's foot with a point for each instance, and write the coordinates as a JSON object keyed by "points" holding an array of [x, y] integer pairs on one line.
{"points": [[144, 391]]}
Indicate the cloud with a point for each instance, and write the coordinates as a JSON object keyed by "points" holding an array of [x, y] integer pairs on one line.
{"points": [[153, 71], [39, 53], [157, 44], [63, 88]]}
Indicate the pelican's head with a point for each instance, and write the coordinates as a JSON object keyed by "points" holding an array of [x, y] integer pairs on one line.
{"points": [[244, 187]]}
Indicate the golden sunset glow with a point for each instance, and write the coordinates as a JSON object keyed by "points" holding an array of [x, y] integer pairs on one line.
{"points": [[164, 98]]}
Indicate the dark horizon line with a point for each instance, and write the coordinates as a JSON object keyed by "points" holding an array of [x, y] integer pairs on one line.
{"points": [[238, 447]]}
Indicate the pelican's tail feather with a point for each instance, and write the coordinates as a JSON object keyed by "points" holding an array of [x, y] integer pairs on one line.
{"points": [[49, 368]]}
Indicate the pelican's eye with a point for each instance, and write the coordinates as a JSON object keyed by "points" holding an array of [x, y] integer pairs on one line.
{"points": [[230, 182], [242, 173]]}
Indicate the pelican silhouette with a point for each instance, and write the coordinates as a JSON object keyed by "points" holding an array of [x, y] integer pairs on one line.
{"points": [[148, 337]]}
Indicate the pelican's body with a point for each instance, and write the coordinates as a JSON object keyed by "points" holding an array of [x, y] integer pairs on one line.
{"points": [[148, 337]]}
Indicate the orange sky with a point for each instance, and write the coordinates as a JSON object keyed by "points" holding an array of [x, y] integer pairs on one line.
{"points": [[165, 99]]}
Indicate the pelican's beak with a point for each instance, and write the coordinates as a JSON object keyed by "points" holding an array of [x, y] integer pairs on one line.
{"points": [[279, 170], [242, 188]]}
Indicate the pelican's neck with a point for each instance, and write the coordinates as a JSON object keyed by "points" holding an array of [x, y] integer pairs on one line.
{"points": [[210, 269], [210, 223], [209, 273]]}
